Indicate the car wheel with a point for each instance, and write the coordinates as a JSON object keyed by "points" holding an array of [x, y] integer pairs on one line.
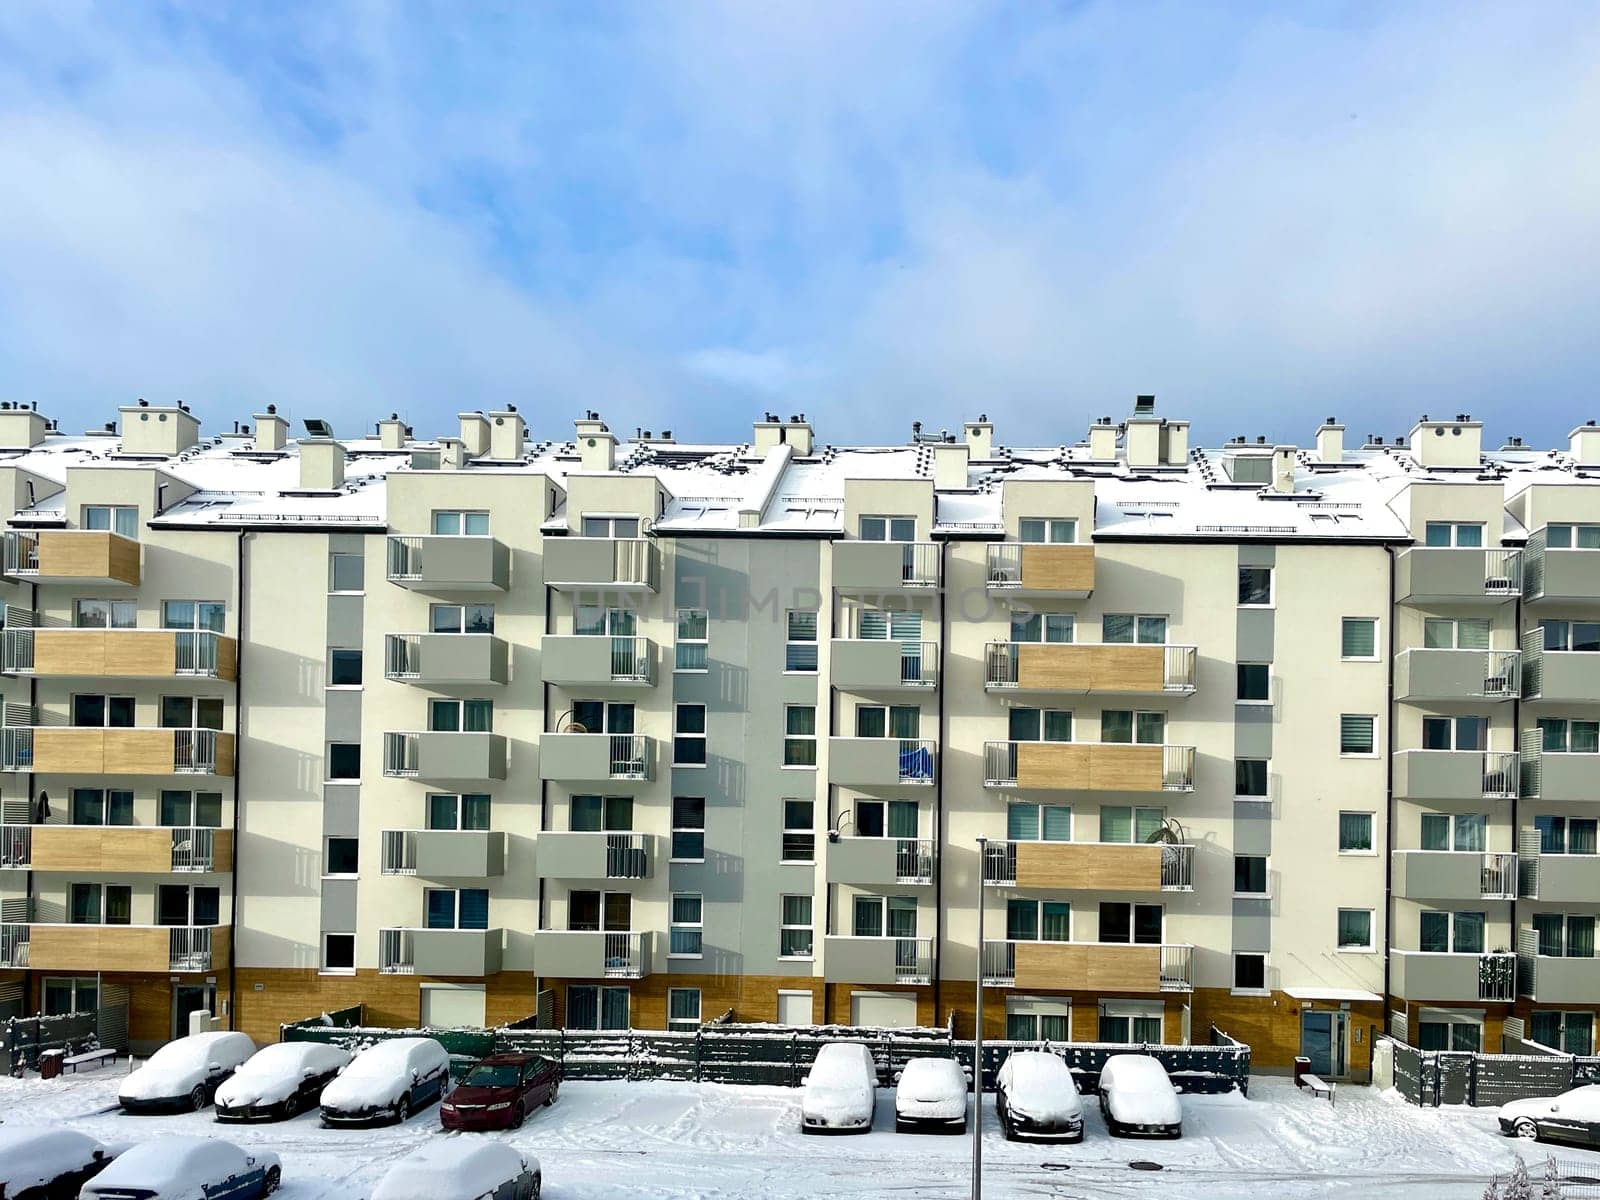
{"points": [[550, 1096], [274, 1178], [197, 1098], [518, 1116], [1524, 1128]]}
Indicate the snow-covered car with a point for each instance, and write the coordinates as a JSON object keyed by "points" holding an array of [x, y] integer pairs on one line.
{"points": [[187, 1168], [932, 1093], [1137, 1099], [840, 1091], [462, 1169], [44, 1163], [1037, 1098], [280, 1081], [1570, 1117], [388, 1082], [185, 1073]]}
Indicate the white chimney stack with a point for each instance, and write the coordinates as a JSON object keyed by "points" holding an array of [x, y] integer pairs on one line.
{"points": [[20, 427], [1283, 468], [475, 433], [1103, 441], [597, 445], [321, 465], [1585, 443], [272, 431], [1453, 443], [508, 435], [392, 433], [950, 467], [980, 438], [1330, 442]]}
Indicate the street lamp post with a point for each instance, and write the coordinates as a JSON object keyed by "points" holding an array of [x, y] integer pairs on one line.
{"points": [[977, 1039]]}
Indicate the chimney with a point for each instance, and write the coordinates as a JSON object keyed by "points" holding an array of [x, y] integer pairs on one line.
{"points": [[1103, 441], [21, 428], [980, 438], [1143, 442], [597, 445], [768, 433], [158, 429], [1283, 469], [452, 454], [321, 465], [271, 430], [950, 467], [392, 433], [475, 433], [797, 432], [1585, 443], [1453, 443], [1175, 443], [508, 435], [1330, 441]]}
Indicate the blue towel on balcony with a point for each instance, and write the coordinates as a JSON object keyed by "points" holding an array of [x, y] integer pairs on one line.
{"points": [[916, 763]]}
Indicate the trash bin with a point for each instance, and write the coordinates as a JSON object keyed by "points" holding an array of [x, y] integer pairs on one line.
{"points": [[50, 1063], [1302, 1066]]}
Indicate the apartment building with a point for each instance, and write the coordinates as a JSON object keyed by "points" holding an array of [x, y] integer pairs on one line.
{"points": [[1293, 742]]}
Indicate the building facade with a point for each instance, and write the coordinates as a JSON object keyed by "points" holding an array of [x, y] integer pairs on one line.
{"points": [[1296, 743]]}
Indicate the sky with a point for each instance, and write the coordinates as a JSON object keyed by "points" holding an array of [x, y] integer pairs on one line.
{"points": [[682, 215]]}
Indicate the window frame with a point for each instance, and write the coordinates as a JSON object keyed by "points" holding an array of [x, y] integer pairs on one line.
{"points": [[1377, 645], [1372, 720], [325, 968], [1372, 833], [114, 513], [688, 830], [333, 654], [1372, 931], [1235, 987], [1265, 669], [798, 741], [462, 517], [685, 1024], [335, 557], [697, 926], [786, 926], [327, 857], [791, 642], [686, 740], [808, 831], [680, 642], [1272, 587]]}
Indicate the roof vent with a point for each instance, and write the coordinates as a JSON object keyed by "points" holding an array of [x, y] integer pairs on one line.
{"points": [[1144, 406]]}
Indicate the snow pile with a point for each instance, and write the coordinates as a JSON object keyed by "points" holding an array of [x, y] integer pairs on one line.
{"points": [[32, 1157], [932, 1088], [179, 1066], [380, 1075], [1138, 1091], [169, 1164], [1040, 1086], [458, 1169], [274, 1072]]}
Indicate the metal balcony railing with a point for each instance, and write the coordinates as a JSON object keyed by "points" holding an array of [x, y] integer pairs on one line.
{"points": [[1177, 862], [913, 960], [1000, 763], [1502, 572], [14, 946], [1499, 877], [632, 660], [1002, 662], [919, 664], [627, 856], [399, 852], [629, 756], [1177, 867], [195, 652], [1177, 968], [913, 860], [1501, 774], [1497, 976], [919, 564], [402, 754], [998, 962], [22, 553], [16, 846], [194, 751], [625, 955], [402, 656], [405, 557], [16, 748], [16, 651], [194, 848], [397, 952], [189, 948], [1000, 863], [1005, 564]]}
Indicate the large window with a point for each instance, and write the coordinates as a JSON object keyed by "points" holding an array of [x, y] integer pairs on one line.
{"points": [[686, 925], [689, 828], [191, 712], [693, 641], [1122, 923], [800, 735], [888, 529], [1455, 733], [611, 527], [886, 818], [99, 806], [103, 712], [1565, 935], [683, 1009], [799, 833], [341, 856], [800, 648], [1438, 1029], [901, 721], [1572, 537], [598, 716], [456, 908], [1130, 1023], [1144, 628], [1559, 735], [689, 736], [885, 916], [1041, 627], [1358, 638], [1039, 725], [1039, 822], [1355, 833], [461, 618], [70, 994], [469, 810], [1455, 831], [105, 614], [459, 522], [461, 716], [1456, 633], [1122, 725], [1029, 920], [193, 614], [1357, 735], [1570, 1032], [100, 904], [591, 1007], [594, 620], [181, 808], [1123, 824], [1255, 587], [1030, 1020], [1581, 636], [1355, 929], [1450, 932], [1565, 835], [794, 931], [600, 814], [1047, 529], [113, 518], [1453, 533]]}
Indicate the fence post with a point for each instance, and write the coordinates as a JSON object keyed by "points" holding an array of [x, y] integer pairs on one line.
{"points": [[698, 1034], [794, 1059]]}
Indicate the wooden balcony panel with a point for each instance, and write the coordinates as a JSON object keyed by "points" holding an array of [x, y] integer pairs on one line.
{"points": [[1075, 668], [1097, 766], [1125, 768], [111, 848], [79, 751], [119, 653], [88, 554], [1052, 765], [93, 948], [1048, 568], [1088, 866], [1076, 965]]}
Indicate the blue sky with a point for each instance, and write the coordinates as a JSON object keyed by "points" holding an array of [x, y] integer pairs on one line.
{"points": [[684, 214]]}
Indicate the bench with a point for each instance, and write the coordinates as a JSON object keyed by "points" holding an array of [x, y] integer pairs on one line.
{"points": [[1317, 1085], [106, 1054]]}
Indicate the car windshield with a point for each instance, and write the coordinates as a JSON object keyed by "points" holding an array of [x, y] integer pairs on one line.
{"points": [[491, 1075]]}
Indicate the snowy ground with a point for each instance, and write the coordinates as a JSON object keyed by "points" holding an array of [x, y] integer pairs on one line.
{"points": [[632, 1141]]}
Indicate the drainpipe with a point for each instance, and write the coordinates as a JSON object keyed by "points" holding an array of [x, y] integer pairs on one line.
{"points": [[240, 595], [1516, 799], [937, 956], [1388, 793]]}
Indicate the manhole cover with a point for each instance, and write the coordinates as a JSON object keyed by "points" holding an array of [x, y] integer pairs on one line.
{"points": [[1055, 1166], [1144, 1165]]}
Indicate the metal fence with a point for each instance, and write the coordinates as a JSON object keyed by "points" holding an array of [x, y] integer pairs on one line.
{"points": [[23, 1039], [1430, 1078]]}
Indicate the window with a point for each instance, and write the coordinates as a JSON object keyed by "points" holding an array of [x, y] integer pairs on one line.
{"points": [[693, 644], [344, 760], [178, 905], [1147, 629], [1130, 1023], [191, 712], [1047, 529], [1564, 935], [100, 904], [683, 1009], [1583, 636], [68, 994], [593, 620], [1450, 932], [799, 735], [1121, 824], [339, 953], [689, 828], [1355, 833], [886, 818], [102, 712], [470, 810], [449, 522], [1559, 735], [1122, 923], [600, 814], [1565, 835], [96, 806], [343, 855], [885, 916], [180, 809], [794, 931], [1570, 1032], [1039, 822], [456, 908], [1456, 633], [461, 618], [1454, 733], [800, 652], [1249, 468], [591, 1007], [1041, 627], [1039, 725], [888, 529], [1254, 682], [799, 832], [610, 527], [193, 614], [1250, 778], [1454, 831], [1358, 638], [344, 668], [593, 912], [685, 930], [460, 716], [1439, 1030], [893, 720], [346, 573], [689, 736], [597, 716], [122, 520], [1038, 920], [1029, 1020], [1355, 929], [1249, 875], [1453, 533], [1356, 734], [105, 614], [1572, 537], [1249, 972], [1255, 587], [1146, 728]]}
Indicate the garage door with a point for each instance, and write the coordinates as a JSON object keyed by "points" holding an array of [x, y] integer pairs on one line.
{"points": [[452, 1005], [883, 1010], [794, 1008]]}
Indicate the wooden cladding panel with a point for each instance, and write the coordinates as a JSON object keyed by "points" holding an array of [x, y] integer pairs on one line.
{"points": [[70, 750], [225, 755], [227, 658], [1098, 767], [1088, 866], [113, 948], [76, 751], [139, 751], [1116, 768], [1087, 668], [98, 848], [122, 653], [1052, 765], [88, 554], [1047, 568], [1095, 968]]}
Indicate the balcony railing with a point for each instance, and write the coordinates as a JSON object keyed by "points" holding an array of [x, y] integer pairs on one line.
{"points": [[116, 749], [1001, 761], [627, 856], [602, 563], [399, 852], [1089, 667], [629, 756], [625, 955], [1499, 876], [1045, 568], [194, 751], [913, 860], [632, 660], [402, 755], [194, 848], [190, 948], [1176, 860], [403, 656], [1175, 970], [14, 946], [196, 652], [16, 846], [397, 952]]}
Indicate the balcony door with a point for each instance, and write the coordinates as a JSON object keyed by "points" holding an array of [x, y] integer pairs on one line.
{"points": [[590, 1007], [901, 721], [599, 912], [190, 998], [191, 712], [886, 818], [102, 712], [460, 716], [598, 716], [601, 814], [180, 905]]}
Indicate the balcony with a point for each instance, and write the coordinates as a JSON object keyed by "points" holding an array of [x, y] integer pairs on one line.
{"points": [[158, 949], [876, 665], [1446, 875], [1549, 979], [1089, 966], [1429, 575], [1035, 569], [875, 861], [1565, 575], [119, 653], [1091, 866], [73, 750], [1456, 774], [583, 660], [461, 953], [1090, 669], [873, 568], [445, 659], [591, 954], [1088, 766], [1463, 978], [1558, 775], [594, 856], [1558, 878], [449, 563], [865, 762], [583, 564], [159, 850], [597, 757], [444, 853], [77, 556], [906, 960], [444, 756], [1456, 675], [1562, 676]]}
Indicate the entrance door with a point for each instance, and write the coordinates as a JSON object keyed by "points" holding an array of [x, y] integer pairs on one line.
{"points": [[189, 998], [1322, 1040]]}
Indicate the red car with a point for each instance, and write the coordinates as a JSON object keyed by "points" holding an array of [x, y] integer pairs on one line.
{"points": [[499, 1092]]}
